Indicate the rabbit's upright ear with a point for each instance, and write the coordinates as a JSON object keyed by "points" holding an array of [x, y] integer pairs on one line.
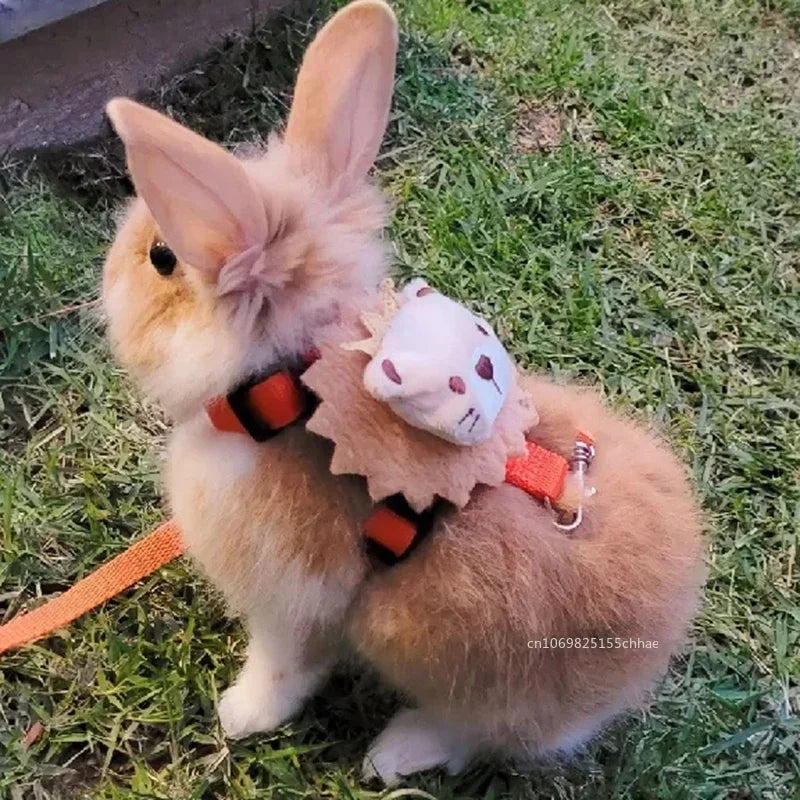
{"points": [[344, 91], [199, 194]]}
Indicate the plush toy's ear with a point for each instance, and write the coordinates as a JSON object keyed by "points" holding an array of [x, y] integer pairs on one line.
{"points": [[343, 93], [414, 289], [199, 194]]}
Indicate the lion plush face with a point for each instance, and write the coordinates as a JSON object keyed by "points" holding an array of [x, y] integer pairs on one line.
{"points": [[440, 368]]}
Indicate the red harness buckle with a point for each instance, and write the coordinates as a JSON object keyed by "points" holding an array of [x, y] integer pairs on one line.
{"points": [[394, 529], [390, 530], [261, 409], [278, 400]]}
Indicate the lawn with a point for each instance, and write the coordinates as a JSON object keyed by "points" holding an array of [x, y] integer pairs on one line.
{"points": [[617, 186]]}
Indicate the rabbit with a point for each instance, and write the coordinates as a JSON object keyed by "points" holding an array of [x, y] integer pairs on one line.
{"points": [[223, 267]]}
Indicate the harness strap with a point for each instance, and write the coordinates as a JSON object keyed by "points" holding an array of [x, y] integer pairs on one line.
{"points": [[540, 473]]}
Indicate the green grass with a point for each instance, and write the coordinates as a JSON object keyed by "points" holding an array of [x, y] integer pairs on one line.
{"points": [[653, 251]]}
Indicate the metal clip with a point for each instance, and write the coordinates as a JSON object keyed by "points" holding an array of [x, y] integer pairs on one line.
{"points": [[581, 460]]}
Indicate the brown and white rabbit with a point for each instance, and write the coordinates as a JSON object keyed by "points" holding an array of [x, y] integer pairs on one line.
{"points": [[264, 256]]}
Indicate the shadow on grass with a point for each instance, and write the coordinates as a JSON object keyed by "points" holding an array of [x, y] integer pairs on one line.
{"points": [[241, 92]]}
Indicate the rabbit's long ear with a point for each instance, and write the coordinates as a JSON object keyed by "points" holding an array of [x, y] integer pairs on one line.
{"points": [[344, 91], [199, 194]]}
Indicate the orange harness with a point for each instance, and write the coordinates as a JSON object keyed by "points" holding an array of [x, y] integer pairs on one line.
{"points": [[261, 410], [264, 408]]}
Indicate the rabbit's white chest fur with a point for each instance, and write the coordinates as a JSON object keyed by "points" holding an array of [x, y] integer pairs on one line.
{"points": [[240, 541]]}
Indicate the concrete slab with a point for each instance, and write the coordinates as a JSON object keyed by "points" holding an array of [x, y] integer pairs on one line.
{"points": [[17, 17], [54, 81]]}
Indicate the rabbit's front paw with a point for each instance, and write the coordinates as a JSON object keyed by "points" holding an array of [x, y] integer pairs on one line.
{"points": [[246, 709]]}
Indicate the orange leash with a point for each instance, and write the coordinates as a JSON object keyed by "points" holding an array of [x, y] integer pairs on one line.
{"points": [[145, 556]]}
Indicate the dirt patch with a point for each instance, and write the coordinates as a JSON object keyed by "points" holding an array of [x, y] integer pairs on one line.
{"points": [[787, 25], [538, 129]]}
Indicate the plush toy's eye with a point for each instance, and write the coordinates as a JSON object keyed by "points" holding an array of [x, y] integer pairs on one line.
{"points": [[162, 258]]}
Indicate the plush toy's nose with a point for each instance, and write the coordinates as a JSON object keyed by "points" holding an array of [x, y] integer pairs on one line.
{"points": [[485, 368]]}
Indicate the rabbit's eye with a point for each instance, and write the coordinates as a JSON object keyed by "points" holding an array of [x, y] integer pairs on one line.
{"points": [[162, 258]]}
